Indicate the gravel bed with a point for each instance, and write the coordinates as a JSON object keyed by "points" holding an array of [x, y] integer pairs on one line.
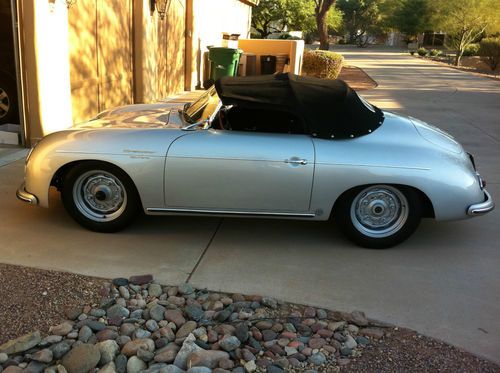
{"points": [[35, 299], [135, 325]]}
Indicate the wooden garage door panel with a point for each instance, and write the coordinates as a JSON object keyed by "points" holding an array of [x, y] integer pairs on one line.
{"points": [[85, 102], [100, 56], [175, 44], [114, 52]]}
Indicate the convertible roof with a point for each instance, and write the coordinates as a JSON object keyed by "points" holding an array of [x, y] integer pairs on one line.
{"points": [[329, 108]]}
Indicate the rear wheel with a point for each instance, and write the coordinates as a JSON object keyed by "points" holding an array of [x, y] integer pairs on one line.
{"points": [[100, 196], [379, 216]]}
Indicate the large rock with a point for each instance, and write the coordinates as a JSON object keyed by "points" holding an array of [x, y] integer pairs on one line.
{"points": [[21, 344], [131, 347], [62, 329], [185, 330], [157, 312], [108, 349], [175, 316], [135, 365], [230, 343], [117, 311], [154, 290], [108, 368], [188, 347], [206, 358], [82, 358]]}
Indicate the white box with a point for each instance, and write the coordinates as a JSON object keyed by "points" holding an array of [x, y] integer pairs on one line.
{"points": [[10, 134]]}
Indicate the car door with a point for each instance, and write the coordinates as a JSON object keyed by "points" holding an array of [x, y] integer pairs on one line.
{"points": [[240, 172]]}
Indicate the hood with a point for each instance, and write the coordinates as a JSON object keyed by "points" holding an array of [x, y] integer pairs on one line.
{"points": [[158, 115]]}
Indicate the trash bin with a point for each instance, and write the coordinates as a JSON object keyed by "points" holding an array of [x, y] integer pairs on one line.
{"points": [[223, 62], [267, 64]]}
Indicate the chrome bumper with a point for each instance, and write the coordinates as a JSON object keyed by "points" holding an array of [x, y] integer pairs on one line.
{"points": [[483, 207], [24, 196]]}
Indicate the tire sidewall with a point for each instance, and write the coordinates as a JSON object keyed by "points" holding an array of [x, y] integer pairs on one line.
{"points": [[9, 86], [342, 215], [132, 207]]}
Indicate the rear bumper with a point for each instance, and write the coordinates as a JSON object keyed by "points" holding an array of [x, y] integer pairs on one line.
{"points": [[483, 207], [25, 196]]}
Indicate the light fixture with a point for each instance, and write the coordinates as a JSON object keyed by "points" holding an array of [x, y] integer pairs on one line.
{"points": [[161, 7], [70, 3]]}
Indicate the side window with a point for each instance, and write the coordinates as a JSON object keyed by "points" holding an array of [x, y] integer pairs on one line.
{"points": [[260, 120]]}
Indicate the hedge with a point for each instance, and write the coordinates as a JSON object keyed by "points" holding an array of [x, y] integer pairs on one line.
{"points": [[489, 50], [322, 64]]}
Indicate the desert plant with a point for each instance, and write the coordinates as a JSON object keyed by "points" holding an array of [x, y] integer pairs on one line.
{"points": [[471, 50], [489, 50], [434, 52], [322, 64], [422, 52]]}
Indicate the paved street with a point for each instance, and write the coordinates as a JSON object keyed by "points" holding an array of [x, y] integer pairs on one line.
{"points": [[443, 282]]}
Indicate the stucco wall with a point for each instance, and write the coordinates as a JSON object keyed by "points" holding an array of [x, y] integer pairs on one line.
{"points": [[210, 20]]}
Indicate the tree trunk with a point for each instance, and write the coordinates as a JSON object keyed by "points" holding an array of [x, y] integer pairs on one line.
{"points": [[458, 56], [323, 31]]}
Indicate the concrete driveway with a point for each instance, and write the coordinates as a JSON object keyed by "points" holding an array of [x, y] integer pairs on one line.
{"points": [[443, 282]]}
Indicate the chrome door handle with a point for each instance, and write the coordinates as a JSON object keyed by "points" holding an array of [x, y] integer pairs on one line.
{"points": [[296, 161]]}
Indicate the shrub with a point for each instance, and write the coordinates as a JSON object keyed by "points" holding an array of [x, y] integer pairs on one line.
{"points": [[435, 52], [422, 52], [489, 50], [322, 64], [471, 50]]}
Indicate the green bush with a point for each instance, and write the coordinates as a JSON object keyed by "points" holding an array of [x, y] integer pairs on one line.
{"points": [[422, 52], [489, 50], [286, 36], [435, 52], [471, 50], [322, 64]]}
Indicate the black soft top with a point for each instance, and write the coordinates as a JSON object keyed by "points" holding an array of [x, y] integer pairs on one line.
{"points": [[329, 108]]}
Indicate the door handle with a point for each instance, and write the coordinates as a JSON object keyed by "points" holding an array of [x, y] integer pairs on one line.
{"points": [[296, 161]]}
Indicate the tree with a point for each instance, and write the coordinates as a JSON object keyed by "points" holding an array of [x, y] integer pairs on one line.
{"points": [[267, 17], [466, 21], [361, 17], [410, 17], [321, 11], [279, 15]]}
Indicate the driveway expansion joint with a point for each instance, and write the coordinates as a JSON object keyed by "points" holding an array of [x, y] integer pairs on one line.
{"points": [[204, 251]]}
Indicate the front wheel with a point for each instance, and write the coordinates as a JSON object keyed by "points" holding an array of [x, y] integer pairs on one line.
{"points": [[100, 196], [379, 216]]}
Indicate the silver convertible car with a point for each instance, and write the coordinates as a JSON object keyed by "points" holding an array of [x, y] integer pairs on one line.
{"points": [[276, 146]]}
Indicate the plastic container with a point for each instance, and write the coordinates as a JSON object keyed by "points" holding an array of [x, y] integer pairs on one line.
{"points": [[223, 62]]}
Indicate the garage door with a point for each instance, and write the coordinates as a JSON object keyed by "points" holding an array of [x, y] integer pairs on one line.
{"points": [[100, 33], [171, 36]]}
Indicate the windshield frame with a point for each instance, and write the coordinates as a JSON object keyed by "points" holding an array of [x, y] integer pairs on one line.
{"points": [[192, 109]]}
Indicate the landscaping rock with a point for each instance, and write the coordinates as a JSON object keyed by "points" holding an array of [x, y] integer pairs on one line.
{"points": [[81, 358], [206, 358], [21, 344]]}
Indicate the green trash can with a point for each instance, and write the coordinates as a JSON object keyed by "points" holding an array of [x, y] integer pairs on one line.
{"points": [[223, 62]]}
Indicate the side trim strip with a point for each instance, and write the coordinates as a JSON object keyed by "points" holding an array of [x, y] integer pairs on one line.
{"points": [[225, 212]]}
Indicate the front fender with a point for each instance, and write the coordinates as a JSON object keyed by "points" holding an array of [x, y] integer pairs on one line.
{"points": [[142, 157]]}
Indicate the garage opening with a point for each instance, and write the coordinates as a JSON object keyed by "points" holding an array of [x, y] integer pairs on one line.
{"points": [[9, 110]]}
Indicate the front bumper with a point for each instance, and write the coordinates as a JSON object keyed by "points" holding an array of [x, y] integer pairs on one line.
{"points": [[483, 207], [24, 196]]}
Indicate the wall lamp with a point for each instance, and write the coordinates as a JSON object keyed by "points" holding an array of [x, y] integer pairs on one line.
{"points": [[161, 7], [69, 3]]}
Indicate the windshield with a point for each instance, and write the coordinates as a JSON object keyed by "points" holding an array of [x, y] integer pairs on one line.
{"points": [[203, 108]]}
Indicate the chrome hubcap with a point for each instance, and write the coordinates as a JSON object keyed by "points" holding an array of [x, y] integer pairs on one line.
{"points": [[379, 211], [4, 103], [99, 196]]}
